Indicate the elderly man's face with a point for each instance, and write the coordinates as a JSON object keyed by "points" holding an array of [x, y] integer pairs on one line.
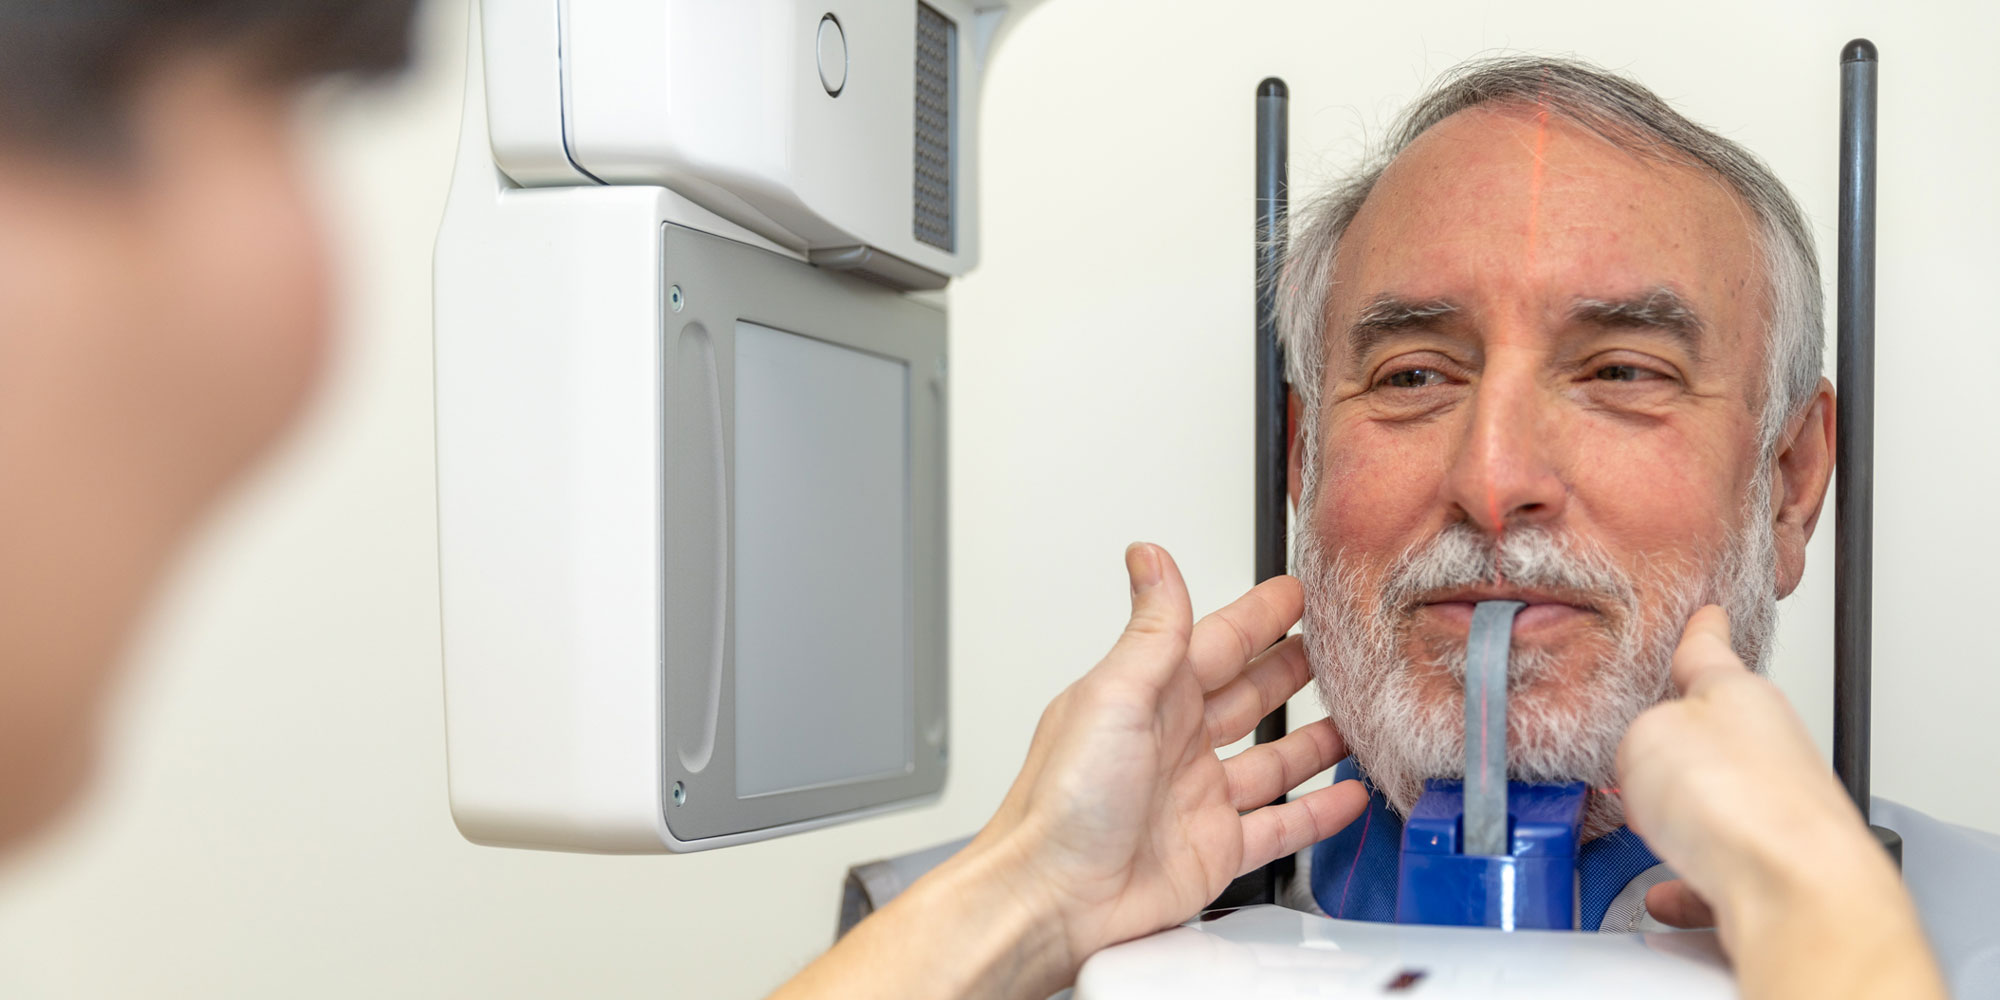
{"points": [[1545, 368]]}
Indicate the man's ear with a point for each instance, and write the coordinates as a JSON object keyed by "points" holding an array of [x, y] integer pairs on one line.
{"points": [[1292, 480], [1800, 476]]}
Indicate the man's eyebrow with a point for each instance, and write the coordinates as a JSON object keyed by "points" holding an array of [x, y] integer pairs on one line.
{"points": [[1660, 309], [1387, 315]]}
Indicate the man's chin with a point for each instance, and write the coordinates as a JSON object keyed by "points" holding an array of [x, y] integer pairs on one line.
{"points": [[1542, 684], [1604, 813], [1560, 728], [1561, 660]]}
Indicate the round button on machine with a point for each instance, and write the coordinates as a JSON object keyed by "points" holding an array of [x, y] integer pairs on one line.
{"points": [[832, 55]]}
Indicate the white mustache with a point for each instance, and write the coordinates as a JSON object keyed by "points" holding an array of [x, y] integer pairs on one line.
{"points": [[1532, 557]]}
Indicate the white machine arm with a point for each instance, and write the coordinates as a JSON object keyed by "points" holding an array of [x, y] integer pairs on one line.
{"points": [[826, 128]]}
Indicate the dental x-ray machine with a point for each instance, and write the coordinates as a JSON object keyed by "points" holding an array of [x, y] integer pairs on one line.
{"points": [[691, 401]]}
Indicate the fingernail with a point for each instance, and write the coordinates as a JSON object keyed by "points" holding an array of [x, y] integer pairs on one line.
{"points": [[1142, 562]]}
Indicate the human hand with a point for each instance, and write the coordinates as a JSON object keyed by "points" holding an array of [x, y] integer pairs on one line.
{"points": [[1711, 778], [1123, 820], [1726, 787]]}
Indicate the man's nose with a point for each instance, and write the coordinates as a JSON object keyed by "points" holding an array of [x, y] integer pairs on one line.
{"points": [[1503, 474]]}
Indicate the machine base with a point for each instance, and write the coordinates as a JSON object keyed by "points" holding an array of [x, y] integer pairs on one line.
{"points": [[1274, 952]]}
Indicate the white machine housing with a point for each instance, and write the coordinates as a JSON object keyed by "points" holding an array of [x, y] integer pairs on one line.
{"points": [[799, 121], [662, 209]]}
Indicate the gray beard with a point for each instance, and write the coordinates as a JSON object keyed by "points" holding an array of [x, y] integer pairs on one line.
{"points": [[1371, 680]]}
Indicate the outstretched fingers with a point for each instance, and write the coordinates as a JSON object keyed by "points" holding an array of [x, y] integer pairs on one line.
{"points": [[1268, 770], [1289, 827], [1224, 641], [1232, 710]]}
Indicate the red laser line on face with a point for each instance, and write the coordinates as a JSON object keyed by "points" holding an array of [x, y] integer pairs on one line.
{"points": [[1537, 173], [1483, 743], [1535, 176], [1499, 521]]}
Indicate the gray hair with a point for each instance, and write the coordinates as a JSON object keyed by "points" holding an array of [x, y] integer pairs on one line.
{"points": [[1630, 117]]}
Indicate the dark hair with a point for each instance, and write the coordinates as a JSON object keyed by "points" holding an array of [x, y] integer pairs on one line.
{"points": [[67, 67]]}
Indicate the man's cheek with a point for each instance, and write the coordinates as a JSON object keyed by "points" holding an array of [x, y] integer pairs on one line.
{"points": [[1649, 490], [1376, 494]]}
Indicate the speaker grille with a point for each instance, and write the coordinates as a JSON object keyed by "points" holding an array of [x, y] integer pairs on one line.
{"points": [[937, 52]]}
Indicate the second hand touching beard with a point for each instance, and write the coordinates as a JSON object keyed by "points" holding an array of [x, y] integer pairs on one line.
{"points": [[1382, 684]]}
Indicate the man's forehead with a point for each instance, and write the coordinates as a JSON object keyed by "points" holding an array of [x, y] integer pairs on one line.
{"points": [[1514, 208]]}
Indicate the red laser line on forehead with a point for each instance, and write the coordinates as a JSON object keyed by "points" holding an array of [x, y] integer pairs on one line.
{"points": [[1535, 178], [1537, 174]]}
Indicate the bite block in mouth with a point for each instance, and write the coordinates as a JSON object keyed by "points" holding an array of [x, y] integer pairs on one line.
{"points": [[1486, 649]]}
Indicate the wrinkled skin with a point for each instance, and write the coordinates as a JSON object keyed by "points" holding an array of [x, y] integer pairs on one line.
{"points": [[1510, 410]]}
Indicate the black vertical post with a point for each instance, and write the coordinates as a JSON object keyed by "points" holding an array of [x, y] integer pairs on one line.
{"points": [[1268, 541], [1272, 440], [1271, 443], [1853, 483], [1854, 449]]}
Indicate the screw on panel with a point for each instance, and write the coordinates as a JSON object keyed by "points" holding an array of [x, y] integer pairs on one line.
{"points": [[674, 298], [680, 794]]}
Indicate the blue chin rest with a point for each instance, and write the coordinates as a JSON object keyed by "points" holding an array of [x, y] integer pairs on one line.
{"points": [[1488, 852], [1532, 886]]}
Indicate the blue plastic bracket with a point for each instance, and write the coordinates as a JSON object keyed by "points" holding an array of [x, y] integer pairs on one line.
{"points": [[1531, 887]]}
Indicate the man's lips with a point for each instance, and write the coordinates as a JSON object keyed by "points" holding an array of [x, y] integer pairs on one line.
{"points": [[1545, 612]]}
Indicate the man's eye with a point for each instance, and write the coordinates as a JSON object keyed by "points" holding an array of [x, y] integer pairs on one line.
{"points": [[1412, 378], [1622, 373]]}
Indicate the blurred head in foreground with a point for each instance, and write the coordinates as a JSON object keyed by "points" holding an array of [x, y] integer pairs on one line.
{"points": [[163, 311], [1556, 344]]}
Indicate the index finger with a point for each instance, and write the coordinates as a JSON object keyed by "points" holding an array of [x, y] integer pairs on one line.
{"points": [[1704, 653], [1227, 639]]}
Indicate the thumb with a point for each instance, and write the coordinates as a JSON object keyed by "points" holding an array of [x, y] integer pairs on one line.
{"points": [[1676, 905], [1162, 617], [1704, 652]]}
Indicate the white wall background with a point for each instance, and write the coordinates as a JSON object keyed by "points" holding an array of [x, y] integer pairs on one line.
{"points": [[271, 819]]}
